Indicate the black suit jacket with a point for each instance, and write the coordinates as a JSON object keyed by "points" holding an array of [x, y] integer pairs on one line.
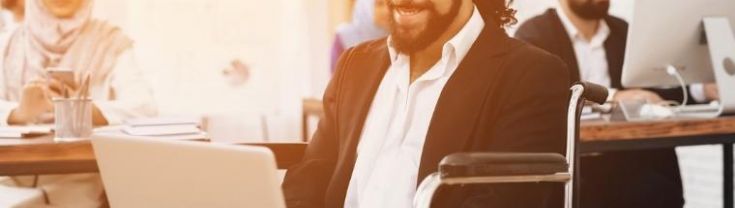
{"points": [[629, 179], [505, 96], [547, 32]]}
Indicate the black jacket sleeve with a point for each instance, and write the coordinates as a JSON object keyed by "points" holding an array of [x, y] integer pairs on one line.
{"points": [[306, 182], [534, 120], [529, 32]]}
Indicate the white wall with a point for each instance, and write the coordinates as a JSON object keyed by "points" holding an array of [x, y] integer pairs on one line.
{"points": [[183, 45]]}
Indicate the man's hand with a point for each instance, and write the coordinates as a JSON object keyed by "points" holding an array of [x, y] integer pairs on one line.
{"points": [[34, 102], [711, 92], [637, 94]]}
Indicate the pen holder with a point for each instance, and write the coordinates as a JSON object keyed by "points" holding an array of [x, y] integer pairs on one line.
{"points": [[73, 118]]}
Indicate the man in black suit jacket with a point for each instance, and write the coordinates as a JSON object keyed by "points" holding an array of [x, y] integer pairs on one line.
{"points": [[503, 96], [628, 179]]}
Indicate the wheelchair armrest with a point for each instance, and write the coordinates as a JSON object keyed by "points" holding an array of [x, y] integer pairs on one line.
{"points": [[594, 92], [501, 164]]}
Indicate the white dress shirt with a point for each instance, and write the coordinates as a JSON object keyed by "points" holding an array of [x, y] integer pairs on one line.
{"points": [[392, 139], [591, 55]]}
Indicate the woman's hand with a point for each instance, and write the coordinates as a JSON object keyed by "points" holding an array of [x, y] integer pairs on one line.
{"points": [[35, 101]]}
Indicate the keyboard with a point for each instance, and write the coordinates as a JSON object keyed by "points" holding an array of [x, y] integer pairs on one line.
{"points": [[697, 111]]}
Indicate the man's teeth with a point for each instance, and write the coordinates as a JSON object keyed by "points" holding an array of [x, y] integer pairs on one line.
{"points": [[407, 11]]}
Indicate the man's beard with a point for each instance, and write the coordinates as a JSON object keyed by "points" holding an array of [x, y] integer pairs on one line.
{"points": [[589, 9], [435, 26]]}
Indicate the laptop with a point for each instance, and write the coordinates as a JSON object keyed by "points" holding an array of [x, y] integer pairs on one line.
{"points": [[150, 172]]}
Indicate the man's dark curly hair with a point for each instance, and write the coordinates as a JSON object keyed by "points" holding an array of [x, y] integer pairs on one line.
{"points": [[497, 11]]}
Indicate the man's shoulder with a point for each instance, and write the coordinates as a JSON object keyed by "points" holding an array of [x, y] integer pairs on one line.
{"points": [[616, 24], [374, 47], [527, 62], [363, 61], [524, 60], [523, 53], [537, 26], [519, 55], [617, 21]]}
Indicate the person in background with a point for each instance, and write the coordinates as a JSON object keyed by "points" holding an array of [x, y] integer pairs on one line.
{"points": [[369, 21], [592, 43], [62, 34], [446, 80], [11, 16]]}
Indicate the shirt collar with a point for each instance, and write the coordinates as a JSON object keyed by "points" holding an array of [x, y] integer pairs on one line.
{"points": [[459, 45], [602, 33]]}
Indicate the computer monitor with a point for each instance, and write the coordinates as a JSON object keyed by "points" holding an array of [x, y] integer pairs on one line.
{"points": [[666, 33]]}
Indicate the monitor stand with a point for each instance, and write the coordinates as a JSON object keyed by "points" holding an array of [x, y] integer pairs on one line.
{"points": [[721, 44]]}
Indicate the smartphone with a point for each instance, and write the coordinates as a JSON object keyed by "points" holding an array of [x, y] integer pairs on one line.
{"points": [[65, 76]]}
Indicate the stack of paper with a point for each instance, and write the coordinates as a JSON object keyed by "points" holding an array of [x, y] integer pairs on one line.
{"points": [[24, 131], [162, 121], [161, 130], [164, 127], [589, 114]]}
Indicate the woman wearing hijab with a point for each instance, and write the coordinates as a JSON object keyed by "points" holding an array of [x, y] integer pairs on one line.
{"points": [[369, 21], [61, 34]]}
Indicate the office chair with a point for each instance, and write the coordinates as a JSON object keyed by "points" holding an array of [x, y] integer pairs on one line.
{"points": [[495, 168], [20, 196], [311, 107]]}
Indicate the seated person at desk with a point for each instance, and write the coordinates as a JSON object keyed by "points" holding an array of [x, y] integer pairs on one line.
{"points": [[61, 33], [592, 43], [369, 22], [446, 80]]}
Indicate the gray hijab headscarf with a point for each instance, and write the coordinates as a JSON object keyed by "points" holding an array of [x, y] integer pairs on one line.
{"points": [[362, 27], [78, 43]]}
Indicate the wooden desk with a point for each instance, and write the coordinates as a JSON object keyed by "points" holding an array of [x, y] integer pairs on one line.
{"points": [[600, 136], [617, 136], [43, 156]]}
